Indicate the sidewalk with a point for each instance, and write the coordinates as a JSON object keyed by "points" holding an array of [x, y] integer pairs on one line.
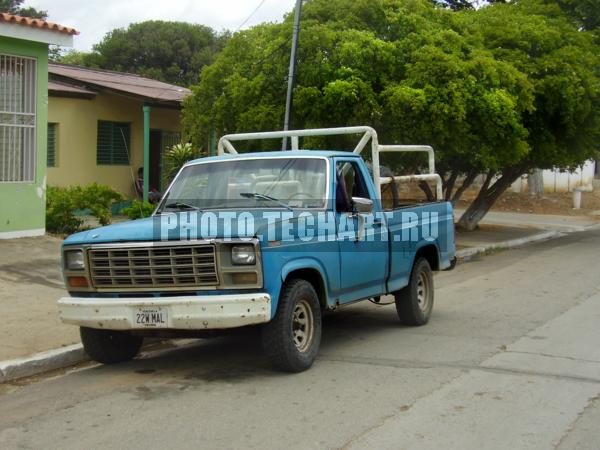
{"points": [[510, 229], [541, 221], [487, 235], [30, 284], [31, 280]]}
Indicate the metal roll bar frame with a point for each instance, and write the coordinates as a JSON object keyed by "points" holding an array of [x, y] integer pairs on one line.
{"points": [[368, 134]]}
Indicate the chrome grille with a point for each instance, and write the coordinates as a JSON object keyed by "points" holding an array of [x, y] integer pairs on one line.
{"points": [[153, 267]]}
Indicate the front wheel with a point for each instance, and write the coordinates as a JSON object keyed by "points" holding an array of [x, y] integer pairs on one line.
{"points": [[110, 346], [292, 339], [414, 303]]}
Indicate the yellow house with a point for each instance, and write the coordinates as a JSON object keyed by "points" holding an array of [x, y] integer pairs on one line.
{"points": [[104, 125]]}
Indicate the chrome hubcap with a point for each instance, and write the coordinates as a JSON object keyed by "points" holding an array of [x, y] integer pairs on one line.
{"points": [[423, 296], [302, 326]]}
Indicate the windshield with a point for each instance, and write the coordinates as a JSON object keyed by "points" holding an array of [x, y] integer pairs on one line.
{"points": [[250, 183]]}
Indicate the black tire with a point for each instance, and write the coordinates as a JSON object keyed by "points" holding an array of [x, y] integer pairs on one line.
{"points": [[110, 346], [290, 345], [414, 303]]}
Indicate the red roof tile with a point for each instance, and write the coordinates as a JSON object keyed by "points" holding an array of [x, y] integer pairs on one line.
{"points": [[36, 23]]}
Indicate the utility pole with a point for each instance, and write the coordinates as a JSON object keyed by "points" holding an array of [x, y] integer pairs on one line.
{"points": [[292, 72]]}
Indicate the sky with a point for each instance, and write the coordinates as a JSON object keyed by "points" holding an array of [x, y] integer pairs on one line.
{"points": [[94, 18]]}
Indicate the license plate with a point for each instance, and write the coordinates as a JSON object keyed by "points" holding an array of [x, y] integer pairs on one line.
{"points": [[151, 317]]}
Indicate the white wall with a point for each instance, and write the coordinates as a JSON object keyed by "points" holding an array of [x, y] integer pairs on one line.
{"points": [[557, 181]]}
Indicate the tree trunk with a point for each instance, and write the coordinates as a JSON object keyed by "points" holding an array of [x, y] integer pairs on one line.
{"points": [[449, 185], [535, 182], [427, 190], [467, 182], [487, 197]]}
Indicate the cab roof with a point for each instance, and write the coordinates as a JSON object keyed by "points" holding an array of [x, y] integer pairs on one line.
{"points": [[288, 153]]}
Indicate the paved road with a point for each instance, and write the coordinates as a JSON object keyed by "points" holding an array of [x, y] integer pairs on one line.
{"points": [[511, 359]]}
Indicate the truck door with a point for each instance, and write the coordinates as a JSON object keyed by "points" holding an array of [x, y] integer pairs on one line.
{"points": [[362, 237]]}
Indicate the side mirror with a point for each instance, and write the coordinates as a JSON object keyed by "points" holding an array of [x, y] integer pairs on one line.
{"points": [[362, 205]]}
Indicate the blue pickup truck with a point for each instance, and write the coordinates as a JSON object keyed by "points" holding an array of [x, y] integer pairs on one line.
{"points": [[269, 239]]}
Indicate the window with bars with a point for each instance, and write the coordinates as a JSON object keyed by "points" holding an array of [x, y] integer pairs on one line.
{"points": [[113, 143], [17, 118], [52, 147], [168, 140]]}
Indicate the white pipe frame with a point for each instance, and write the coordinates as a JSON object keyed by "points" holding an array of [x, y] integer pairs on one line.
{"points": [[369, 134]]}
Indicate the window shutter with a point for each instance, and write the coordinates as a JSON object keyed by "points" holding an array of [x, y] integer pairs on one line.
{"points": [[51, 145], [113, 143]]}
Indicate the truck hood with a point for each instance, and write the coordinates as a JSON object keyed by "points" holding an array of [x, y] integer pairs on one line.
{"points": [[171, 227]]}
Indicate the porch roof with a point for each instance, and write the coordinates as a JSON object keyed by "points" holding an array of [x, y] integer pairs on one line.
{"points": [[60, 89], [150, 91]]}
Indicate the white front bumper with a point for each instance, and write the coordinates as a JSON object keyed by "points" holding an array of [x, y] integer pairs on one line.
{"points": [[192, 312]]}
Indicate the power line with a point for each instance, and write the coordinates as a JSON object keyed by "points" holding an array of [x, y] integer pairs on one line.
{"points": [[250, 16]]}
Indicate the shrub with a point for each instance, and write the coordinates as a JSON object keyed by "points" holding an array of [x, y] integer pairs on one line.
{"points": [[60, 208], [99, 198], [138, 210], [176, 157], [63, 202]]}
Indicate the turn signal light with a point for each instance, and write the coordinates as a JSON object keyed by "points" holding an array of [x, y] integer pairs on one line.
{"points": [[244, 278], [77, 282]]}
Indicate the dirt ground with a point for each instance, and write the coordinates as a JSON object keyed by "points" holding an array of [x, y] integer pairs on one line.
{"points": [[550, 203]]}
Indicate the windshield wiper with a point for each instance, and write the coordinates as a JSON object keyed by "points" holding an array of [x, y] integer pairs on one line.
{"points": [[181, 206], [266, 197]]}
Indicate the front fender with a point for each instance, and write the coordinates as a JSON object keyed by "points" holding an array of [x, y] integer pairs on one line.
{"points": [[312, 264]]}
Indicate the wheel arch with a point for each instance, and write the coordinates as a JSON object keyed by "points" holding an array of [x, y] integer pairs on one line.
{"points": [[311, 272], [431, 254]]}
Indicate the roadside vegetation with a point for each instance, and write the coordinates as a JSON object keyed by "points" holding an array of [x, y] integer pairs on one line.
{"points": [[65, 206]]}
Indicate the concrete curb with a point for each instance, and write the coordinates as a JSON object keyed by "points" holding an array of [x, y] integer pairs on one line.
{"points": [[468, 252], [37, 363]]}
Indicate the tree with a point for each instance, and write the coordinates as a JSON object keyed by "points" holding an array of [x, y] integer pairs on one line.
{"points": [[14, 7], [585, 13], [562, 64], [497, 91], [173, 52], [75, 58]]}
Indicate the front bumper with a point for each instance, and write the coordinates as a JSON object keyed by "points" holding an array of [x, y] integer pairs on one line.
{"points": [[191, 312]]}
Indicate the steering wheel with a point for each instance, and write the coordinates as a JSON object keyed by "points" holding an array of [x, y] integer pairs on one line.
{"points": [[298, 194]]}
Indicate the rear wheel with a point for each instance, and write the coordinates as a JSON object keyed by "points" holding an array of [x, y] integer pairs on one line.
{"points": [[110, 346], [414, 303], [292, 339]]}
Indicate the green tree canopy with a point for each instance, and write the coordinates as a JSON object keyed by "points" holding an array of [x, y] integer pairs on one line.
{"points": [[497, 91], [173, 52], [585, 13], [14, 7]]}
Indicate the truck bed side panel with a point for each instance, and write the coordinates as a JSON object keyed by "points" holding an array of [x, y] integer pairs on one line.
{"points": [[412, 228]]}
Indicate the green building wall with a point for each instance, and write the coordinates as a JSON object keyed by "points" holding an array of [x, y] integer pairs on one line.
{"points": [[22, 205]]}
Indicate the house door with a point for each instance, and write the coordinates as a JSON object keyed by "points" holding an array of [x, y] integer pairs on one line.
{"points": [[155, 158]]}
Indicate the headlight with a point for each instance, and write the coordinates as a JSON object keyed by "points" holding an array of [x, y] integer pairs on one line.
{"points": [[74, 260], [243, 254]]}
